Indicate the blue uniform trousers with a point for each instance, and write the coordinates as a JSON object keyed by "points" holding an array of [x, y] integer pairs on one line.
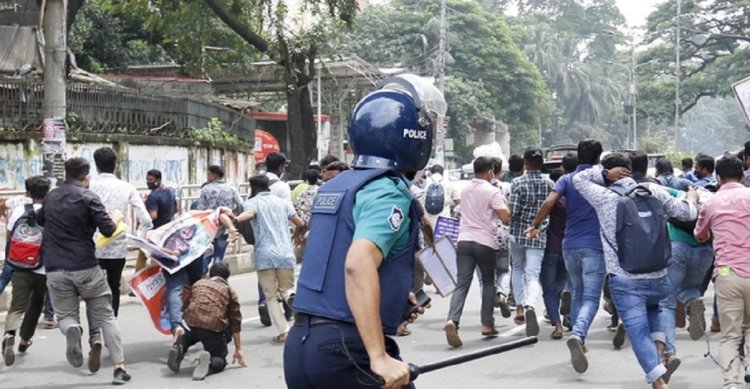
{"points": [[323, 356]]}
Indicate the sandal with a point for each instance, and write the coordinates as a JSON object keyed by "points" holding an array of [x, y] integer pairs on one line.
{"points": [[280, 338], [519, 319], [23, 347], [451, 334], [491, 333]]}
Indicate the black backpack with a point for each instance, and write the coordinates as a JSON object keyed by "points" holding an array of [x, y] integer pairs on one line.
{"points": [[643, 244], [434, 201]]}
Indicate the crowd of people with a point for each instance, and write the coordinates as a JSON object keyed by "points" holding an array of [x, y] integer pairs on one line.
{"points": [[572, 242]]}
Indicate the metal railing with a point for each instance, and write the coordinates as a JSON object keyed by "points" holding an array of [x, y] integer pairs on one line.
{"points": [[99, 109]]}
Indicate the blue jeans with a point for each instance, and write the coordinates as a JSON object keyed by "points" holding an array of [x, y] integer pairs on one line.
{"points": [[586, 275], [553, 280], [220, 248], [640, 305], [175, 284], [527, 265], [5, 277], [686, 273]]}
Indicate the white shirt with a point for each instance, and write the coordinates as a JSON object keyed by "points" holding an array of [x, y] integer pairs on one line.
{"points": [[17, 213], [118, 194], [280, 188]]}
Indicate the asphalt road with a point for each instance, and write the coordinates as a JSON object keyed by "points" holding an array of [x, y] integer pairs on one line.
{"points": [[544, 365]]}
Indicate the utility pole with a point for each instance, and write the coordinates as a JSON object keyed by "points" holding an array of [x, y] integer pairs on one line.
{"points": [[677, 77], [633, 93], [54, 104], [440, 80], [441, 48], [55, 49]]}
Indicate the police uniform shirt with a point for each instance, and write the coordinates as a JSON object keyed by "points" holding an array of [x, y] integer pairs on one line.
{"points": [[381, 214]]}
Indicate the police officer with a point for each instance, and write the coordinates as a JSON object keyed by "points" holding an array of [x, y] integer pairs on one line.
{"points": [[359, 263]]}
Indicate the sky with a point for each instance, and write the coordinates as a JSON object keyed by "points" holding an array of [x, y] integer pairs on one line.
{"points": [[636, 11]]}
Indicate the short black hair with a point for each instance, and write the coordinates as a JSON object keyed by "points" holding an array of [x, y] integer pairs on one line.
{"points": [[556, 173], [216, 170], [437, 168], [311, 176], [705, 161], [515, 163], [747, 148], [275, 161], [220, 269], [482, 165], [154, 173], [77, 168], [613, 160], [569, 163], [589, 151], [497, 165], [37, 187], [105, 159], [639, 160], [328, 159], [730, 168], [686, 163], [534, 157], [259, 183], [664, 165]]}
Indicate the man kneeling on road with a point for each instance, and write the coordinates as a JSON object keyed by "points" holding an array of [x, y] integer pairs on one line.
{"points": [[211, 314]]}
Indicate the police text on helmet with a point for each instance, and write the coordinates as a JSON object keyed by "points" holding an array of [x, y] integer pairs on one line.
{"points": [[415, 134]]}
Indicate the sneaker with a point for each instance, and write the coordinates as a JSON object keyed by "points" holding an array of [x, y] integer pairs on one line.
{"points": [[532, 325], [22, 348], [204, 361], [176, 354], [671, 363], [566, 300], [577, 355], [696, 314], [502, 303], [73, 348], [265, 318], [95, 357], [451, 334], [8, 355], [120, 377], [619, 339]]}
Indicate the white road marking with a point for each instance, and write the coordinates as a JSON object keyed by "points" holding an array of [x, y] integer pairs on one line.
{"points": [[249, 319], [513, 331]]}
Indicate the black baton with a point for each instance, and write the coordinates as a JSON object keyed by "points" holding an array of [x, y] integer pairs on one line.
{"points": [[415, 371]]}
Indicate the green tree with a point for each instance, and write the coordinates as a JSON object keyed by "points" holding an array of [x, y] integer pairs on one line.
{"points": [[488, 75]]}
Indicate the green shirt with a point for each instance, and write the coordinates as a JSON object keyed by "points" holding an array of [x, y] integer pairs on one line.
{"points": [[675, 233], [298, 191], [381, 214]]}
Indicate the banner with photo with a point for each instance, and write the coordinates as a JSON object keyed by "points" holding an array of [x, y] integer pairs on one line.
{"points": [[180, 242], [150, 286], [742, 92]]}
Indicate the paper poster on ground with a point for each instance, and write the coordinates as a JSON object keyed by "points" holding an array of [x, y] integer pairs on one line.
{"points": [[150, 286]]}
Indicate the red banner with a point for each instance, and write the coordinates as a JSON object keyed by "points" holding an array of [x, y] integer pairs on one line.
{"points": [[265, 144], [150, 286]]}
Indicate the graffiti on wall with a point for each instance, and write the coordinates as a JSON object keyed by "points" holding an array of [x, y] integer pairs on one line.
{"points": [[171, 161], [85, 151], [17, 163]]}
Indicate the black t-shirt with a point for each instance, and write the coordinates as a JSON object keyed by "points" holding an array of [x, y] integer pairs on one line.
{"points": [[161, 200]]}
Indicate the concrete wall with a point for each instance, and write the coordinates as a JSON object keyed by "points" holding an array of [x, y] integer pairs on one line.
{"points": [[180, 165]]}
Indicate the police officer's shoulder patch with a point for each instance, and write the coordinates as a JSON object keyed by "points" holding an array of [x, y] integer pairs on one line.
{"points": [[396, 218]]}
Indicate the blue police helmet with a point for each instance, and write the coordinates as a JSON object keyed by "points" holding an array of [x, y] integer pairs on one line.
{"points": [[393, 126]]}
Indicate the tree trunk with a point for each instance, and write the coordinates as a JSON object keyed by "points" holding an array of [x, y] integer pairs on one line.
{"points": [[302, 134]]}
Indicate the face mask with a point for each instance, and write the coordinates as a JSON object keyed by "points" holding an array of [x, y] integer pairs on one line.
{"points": [[152, 185]]}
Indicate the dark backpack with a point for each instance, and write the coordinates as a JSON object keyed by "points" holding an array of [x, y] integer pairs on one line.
{"points": [[434, 201], [25, 243], [643, 244]]}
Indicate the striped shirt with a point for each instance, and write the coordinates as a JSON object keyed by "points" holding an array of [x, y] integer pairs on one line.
{"points": [[527, 193]]}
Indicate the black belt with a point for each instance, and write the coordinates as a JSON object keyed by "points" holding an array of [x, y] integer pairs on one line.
{"points": [[303, 318]]}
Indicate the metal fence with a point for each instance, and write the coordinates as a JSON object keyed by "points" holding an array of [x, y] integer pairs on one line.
{"points": [[100, 109]]}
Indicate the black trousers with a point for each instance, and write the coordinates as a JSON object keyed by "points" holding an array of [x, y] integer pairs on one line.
{"points": [[213, 342], [113, 267]]}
